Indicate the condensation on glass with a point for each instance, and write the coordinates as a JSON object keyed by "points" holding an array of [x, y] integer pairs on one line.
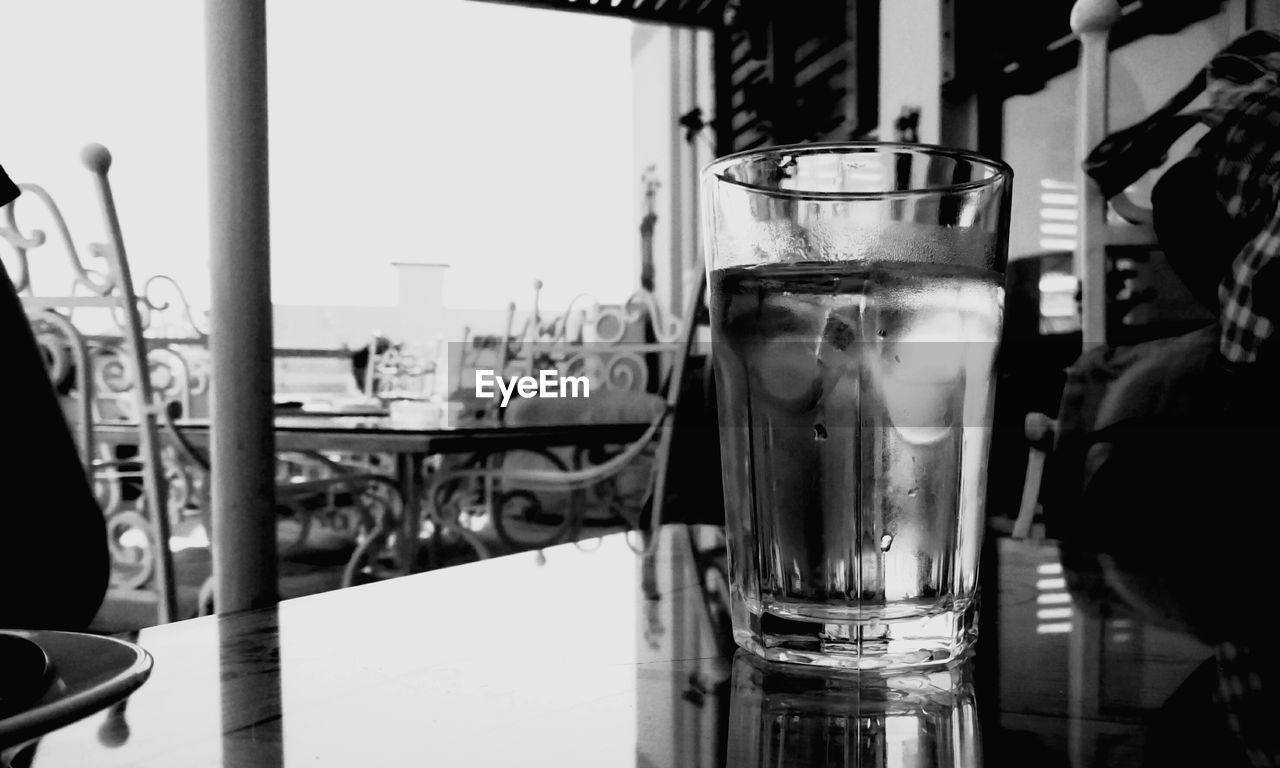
{"points": [[856, 300]]}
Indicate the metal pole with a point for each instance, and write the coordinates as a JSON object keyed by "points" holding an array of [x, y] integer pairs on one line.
{"points": [[242, 442]]}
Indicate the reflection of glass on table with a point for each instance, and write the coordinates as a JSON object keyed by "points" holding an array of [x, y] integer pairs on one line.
{"points": [[788, 715]]}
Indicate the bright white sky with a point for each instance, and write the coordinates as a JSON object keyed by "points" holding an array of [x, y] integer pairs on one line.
{"points": [[493, 138]]}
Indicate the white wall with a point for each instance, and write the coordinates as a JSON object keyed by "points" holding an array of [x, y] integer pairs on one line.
{"points": [[910, 65], [671, 73], [653, 145]]}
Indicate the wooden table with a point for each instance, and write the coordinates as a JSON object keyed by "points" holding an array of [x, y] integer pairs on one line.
{"points": [[597, 658]]}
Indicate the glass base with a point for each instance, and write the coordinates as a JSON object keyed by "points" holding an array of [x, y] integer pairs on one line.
{"points": [[933, 639]]}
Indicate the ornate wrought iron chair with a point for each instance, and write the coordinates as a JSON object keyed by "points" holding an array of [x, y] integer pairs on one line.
{"points": [[178, 370], [634, 358], [138, 529], [353, 505]]}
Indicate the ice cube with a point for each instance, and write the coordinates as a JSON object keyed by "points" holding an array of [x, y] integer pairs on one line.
{"points": [[837, 349], [839, 334], [787, 374], [931, 350], [922, 413], [920, 374]]}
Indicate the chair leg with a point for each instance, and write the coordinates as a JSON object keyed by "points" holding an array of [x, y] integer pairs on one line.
{"points": [[1040, 431], [365, 551], [1030, 494], [205, 605]]}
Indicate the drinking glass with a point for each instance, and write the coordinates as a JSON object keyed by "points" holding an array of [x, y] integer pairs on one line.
{"points": [[856, 301], [783, 715]]}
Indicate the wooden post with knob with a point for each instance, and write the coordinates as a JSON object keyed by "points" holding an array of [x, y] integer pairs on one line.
{"points": [[1091, 21]]}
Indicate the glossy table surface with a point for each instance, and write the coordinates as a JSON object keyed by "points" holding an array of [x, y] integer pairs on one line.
{"points": [[594, 656]]}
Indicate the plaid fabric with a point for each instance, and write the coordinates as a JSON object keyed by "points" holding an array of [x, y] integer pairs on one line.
{"points": [[1250, 712], [1248, 161], [1243, 85]]}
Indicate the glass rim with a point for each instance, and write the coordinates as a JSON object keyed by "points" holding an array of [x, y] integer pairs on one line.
{"points": [[1001, 172]]}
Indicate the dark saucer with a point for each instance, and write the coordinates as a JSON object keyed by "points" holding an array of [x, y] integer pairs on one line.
{"points": [[75, 676], [25, 672]]}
